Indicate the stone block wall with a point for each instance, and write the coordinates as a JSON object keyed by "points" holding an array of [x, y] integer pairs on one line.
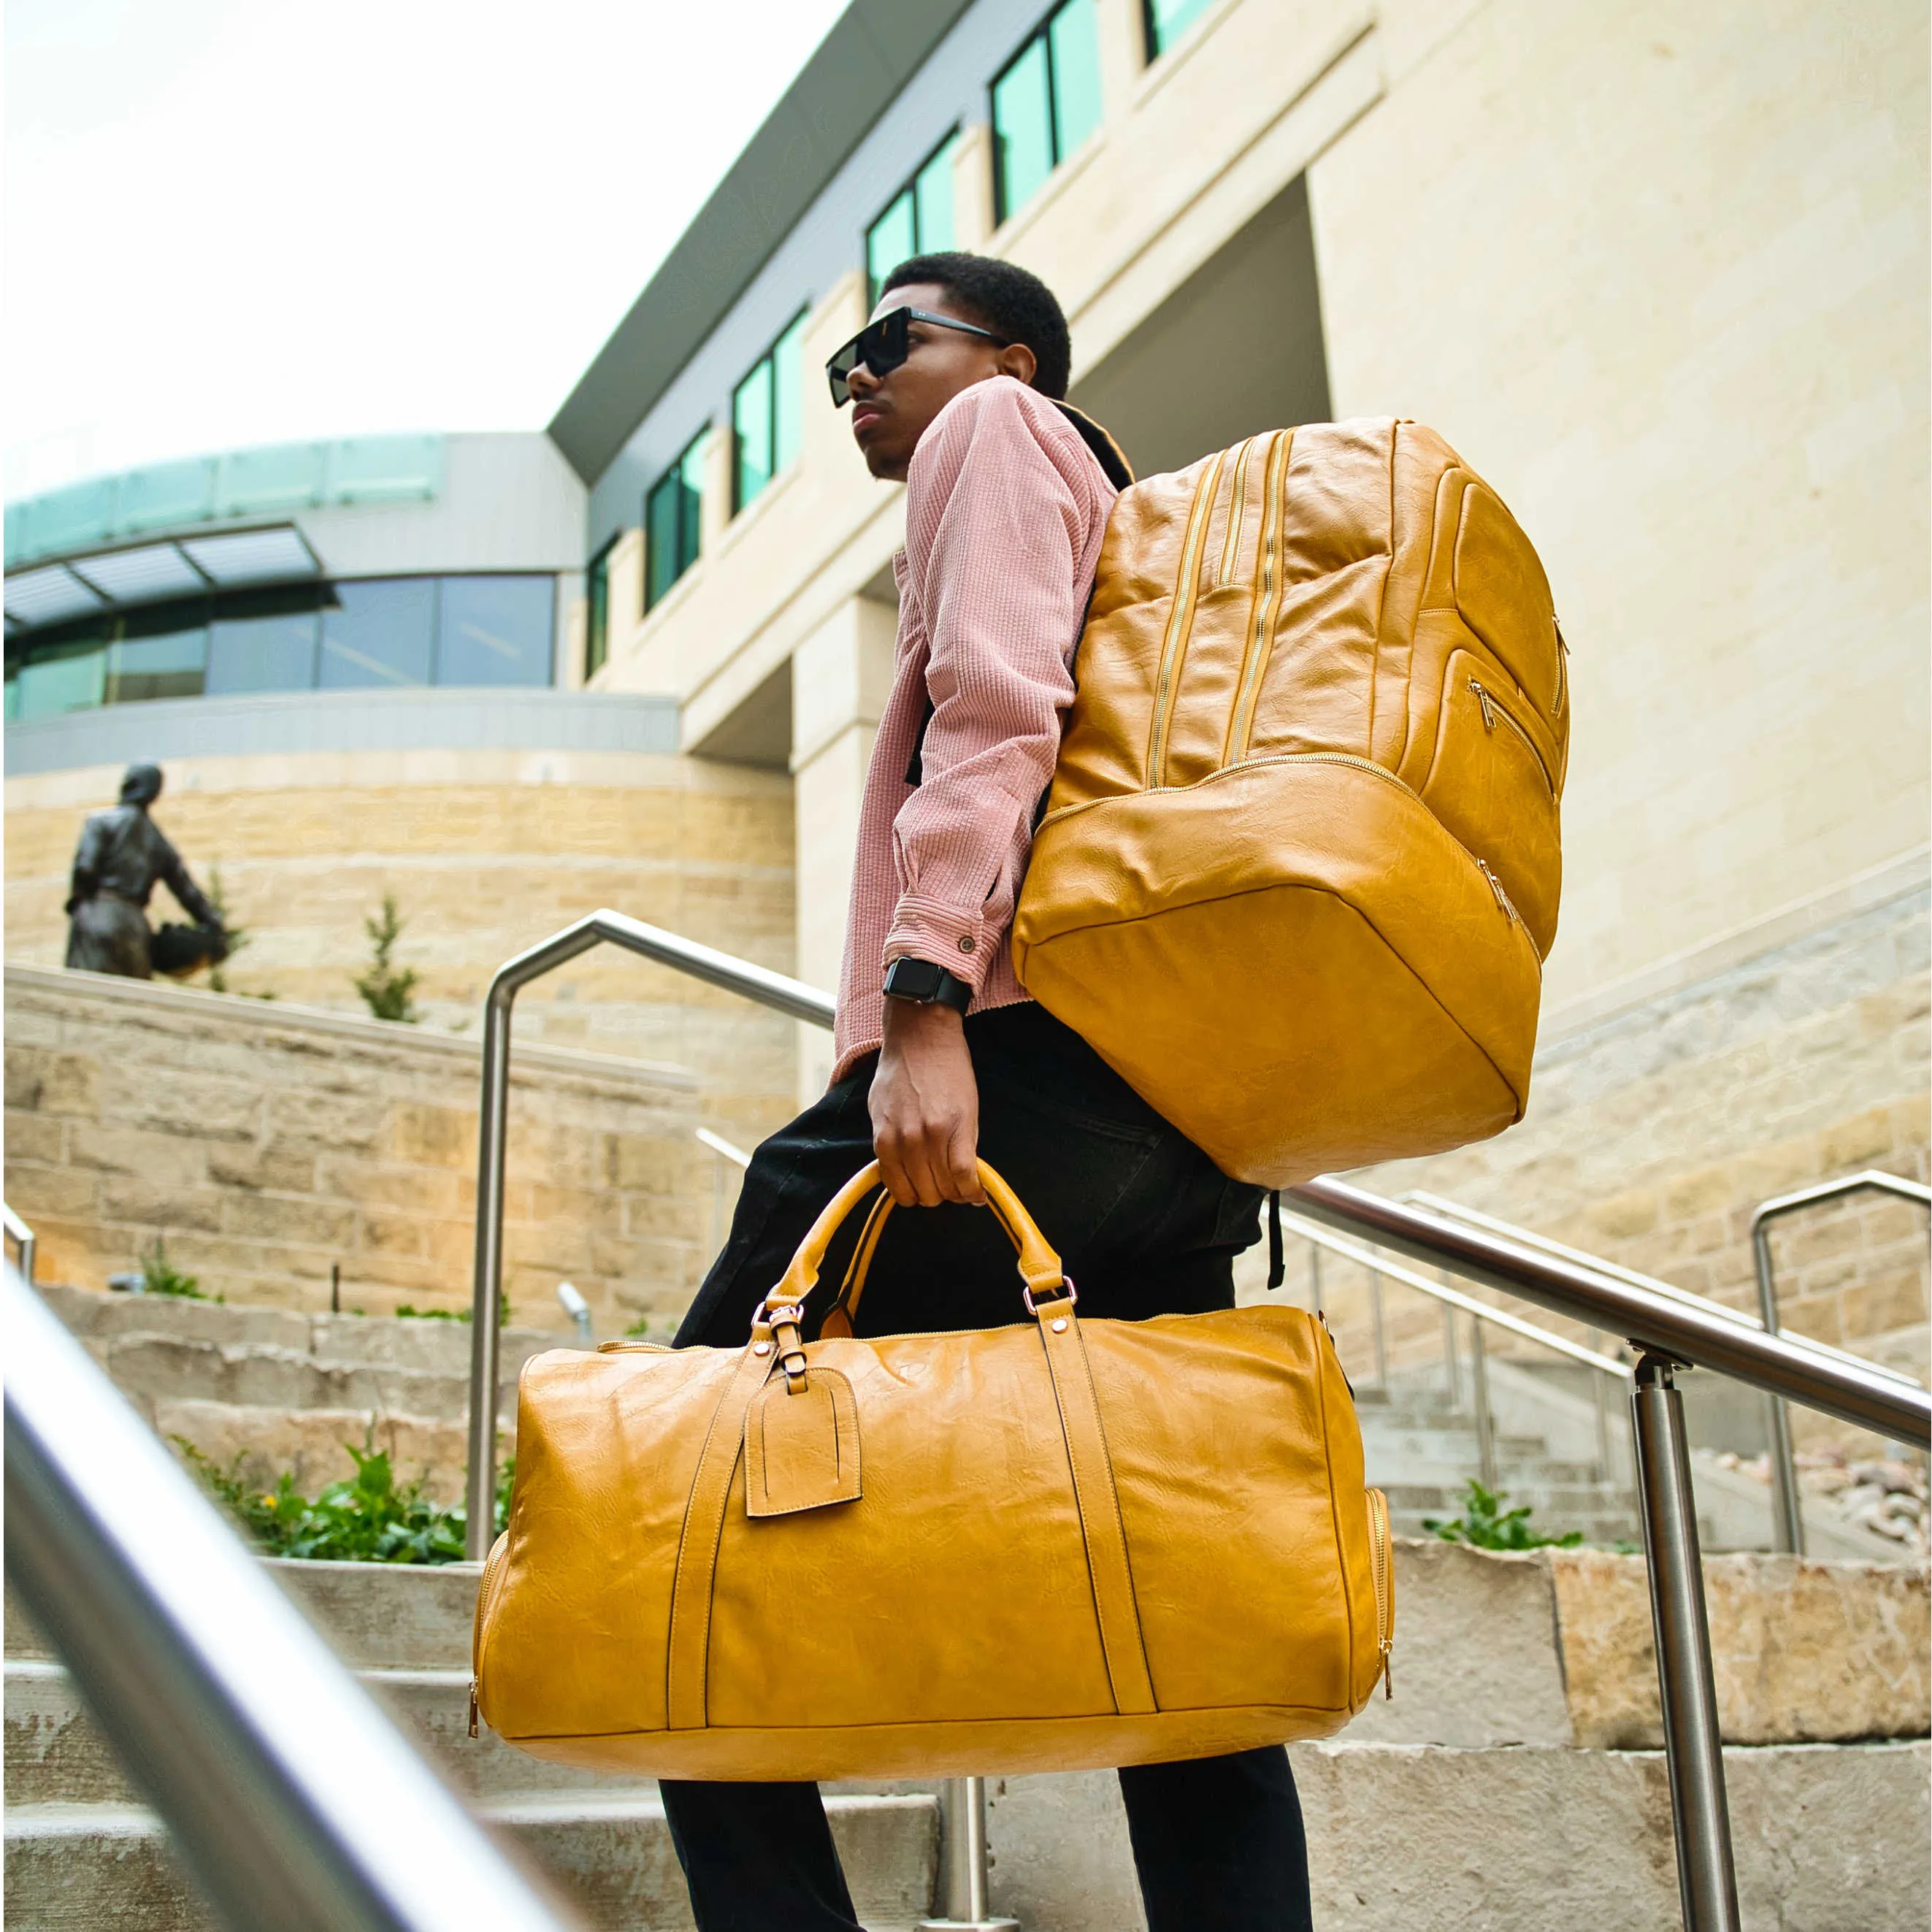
{"points": [[264, 1142], [486, 851], [1653, 1132]]}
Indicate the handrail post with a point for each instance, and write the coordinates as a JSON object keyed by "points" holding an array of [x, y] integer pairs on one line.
{"points": [[1479, 1392], [1787, 1509], [486, 1339], [1700, 1816], [22, 1238], [967, 1905]]}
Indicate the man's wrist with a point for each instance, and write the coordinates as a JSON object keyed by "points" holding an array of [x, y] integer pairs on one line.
{"points": [[921, 982]]}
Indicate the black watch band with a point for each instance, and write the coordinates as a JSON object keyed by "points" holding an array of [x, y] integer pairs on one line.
{"points": [[926, 985]]}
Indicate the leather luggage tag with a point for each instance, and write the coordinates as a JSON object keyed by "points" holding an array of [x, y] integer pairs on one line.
{"points": [[801, 1450]]}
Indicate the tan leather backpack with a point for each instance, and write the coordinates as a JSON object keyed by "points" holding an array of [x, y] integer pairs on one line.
{"points": [[1299, 864]]}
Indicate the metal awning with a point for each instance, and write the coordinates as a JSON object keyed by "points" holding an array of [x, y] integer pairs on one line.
{"points": [[156, 573]]}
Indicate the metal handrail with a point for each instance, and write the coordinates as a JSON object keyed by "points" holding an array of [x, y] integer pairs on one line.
{"points": [[758, 983], [294, 1801], [1547, 1338], [1743, 1317], [1788, 1517], [1670, 1331], [21, 1236], [1684, 1332]]}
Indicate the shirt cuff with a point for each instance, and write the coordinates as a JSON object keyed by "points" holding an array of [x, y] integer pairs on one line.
{"points": [[964, 943]]}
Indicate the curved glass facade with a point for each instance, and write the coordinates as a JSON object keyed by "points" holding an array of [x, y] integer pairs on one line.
{"points": [[397, 632]]}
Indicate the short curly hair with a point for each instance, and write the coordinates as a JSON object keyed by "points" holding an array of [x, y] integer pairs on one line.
{"points": [[1004, 298]]}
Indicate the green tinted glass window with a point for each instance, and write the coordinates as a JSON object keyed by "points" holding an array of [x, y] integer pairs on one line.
{"points": [[889, 240], [171, 662], [765, 410], [597, 631], [1073, 40], [932, 200], [58, 678], [918, 221], [752, 435], [1167, 20], [788, 395], [1045, 103], [671, 513], [1022, 128]]}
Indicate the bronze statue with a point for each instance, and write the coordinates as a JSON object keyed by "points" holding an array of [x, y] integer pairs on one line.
{"points": [[123, 854]]}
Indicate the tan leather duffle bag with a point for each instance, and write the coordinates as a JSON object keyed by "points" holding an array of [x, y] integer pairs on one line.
{"points": [[1060, 1545]]}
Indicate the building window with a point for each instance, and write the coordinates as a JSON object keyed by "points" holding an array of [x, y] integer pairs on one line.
{"points": [[1045, 103], [1167, 20], [597, 629], [766, 410], [369, 633], [918, 221], [671, 513], [495, 630]]}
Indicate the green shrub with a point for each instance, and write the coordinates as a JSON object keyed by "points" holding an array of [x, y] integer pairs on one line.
{"points": [[160, 1276], [386, 987], [1485, 1524], [366, 1519]]}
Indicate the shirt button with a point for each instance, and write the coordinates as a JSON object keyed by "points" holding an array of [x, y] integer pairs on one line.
{"points": [[966, 943]]}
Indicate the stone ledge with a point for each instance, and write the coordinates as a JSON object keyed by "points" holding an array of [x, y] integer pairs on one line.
{"points": [[390, 1036]]}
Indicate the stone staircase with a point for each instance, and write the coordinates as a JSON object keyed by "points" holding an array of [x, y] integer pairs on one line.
{"points": [[1421, 1449], [1514, 1781], [81, 1851], [284, 1390]]}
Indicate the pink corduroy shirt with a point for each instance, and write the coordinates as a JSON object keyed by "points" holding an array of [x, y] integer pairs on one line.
{"points": [[1006, 507]]}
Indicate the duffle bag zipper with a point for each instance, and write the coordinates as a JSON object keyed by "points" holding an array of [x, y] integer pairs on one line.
{"points": [[1378, 1534]]}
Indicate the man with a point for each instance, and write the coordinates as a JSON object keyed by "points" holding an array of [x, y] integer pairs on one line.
{"points": [[955, 386], [122, 855]]}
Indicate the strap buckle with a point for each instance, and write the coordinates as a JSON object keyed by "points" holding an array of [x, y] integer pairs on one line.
{"points": [[1069, 1294]]}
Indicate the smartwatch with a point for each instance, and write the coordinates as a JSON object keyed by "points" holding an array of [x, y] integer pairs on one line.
{"points": [[924, 984]]}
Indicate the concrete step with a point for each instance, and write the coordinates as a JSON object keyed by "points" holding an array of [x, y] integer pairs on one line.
{"points": [[1430, 1838], [277, 1391], [79, 1868]]}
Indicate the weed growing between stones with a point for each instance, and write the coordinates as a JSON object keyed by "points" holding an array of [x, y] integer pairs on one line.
{"points": [[1485, 1524], [366, 1519], [159, 1276]]}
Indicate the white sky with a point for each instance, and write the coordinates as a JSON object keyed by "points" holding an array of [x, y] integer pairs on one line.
{"points": [[239, 221]]}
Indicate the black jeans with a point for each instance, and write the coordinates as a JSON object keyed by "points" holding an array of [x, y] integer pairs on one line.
{"points": [[1146, 1225]]}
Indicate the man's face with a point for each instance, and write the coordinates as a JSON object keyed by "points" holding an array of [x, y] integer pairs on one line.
{"points": [[891, 412]]}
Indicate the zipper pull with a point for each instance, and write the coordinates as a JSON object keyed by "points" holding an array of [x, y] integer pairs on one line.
{"points": [[472, 1707], [1502, 897], [1488, 709], [1388, 1668], [1562, 666]]}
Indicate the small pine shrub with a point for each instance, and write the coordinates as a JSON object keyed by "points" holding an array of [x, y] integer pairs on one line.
{"points": [[388, 989]]}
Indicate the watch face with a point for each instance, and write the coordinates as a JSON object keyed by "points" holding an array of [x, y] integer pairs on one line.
{"points": [[913, 980]]}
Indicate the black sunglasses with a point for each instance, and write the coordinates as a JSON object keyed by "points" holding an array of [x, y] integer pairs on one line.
{"points": [[883, 345]]}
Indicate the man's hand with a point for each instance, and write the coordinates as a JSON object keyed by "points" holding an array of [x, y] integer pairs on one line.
{"points": [[925, 1107]]}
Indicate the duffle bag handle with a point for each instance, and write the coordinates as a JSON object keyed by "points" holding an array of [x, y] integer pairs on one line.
{"points": [[1039, 1268]]}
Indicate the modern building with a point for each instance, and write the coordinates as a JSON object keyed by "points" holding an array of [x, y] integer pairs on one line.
{"points": [[354, 662], [1660, 274]]}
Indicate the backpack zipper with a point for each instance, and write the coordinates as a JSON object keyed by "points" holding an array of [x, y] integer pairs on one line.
{"points": [[1237, 508], [1274, 512], [1502, 897], [1181, 617], [1492, 708], [1379, 1568], [1562, 669]]}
